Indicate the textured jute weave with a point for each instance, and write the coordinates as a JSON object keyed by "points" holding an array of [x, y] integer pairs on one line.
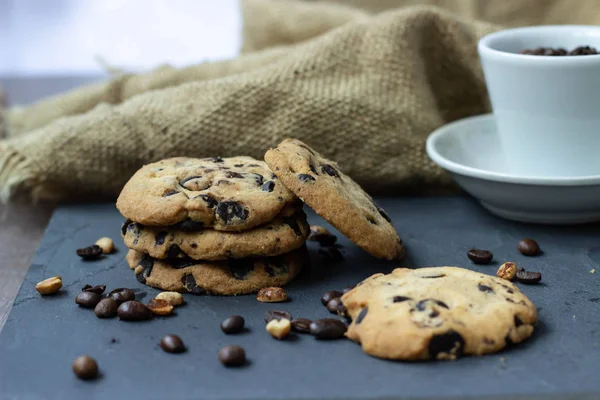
{"points": [[362, 85]]}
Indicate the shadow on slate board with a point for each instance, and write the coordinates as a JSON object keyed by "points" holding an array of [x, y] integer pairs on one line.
{"points": [[43, 335]]}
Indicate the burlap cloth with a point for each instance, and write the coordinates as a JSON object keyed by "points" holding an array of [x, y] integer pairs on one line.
{"points": [[362, 85]]}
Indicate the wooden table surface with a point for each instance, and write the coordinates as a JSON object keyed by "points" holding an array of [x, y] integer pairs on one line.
{"points": [[22, 225]]}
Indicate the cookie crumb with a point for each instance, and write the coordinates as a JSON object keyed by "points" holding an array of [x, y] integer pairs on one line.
{"points": [[593, 271]]}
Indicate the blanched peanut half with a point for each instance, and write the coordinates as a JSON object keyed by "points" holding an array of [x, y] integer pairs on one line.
{"points": [[173, 298], [106, 244], [279, 329], [49, 286]]}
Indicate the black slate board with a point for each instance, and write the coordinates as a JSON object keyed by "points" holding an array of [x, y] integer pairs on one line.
{"points": [[43, 335]]}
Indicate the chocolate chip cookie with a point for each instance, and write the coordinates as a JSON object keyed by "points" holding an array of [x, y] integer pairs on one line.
{"points": [[336, 197], [226, 194], [280, 236], [230, 277], [437, 313]]}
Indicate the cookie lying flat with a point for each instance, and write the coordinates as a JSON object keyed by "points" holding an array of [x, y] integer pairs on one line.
{"points": [[335, 197], [437, 313], [231, 277], [282, 235], [228, 194]]}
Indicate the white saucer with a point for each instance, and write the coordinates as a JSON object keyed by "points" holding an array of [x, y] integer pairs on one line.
{"points": [[469, 150]]}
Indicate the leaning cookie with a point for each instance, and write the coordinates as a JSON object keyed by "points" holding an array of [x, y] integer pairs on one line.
{"points": [[227, 194], [282, 235], [333, 195], [231, 277], [437, 313]]}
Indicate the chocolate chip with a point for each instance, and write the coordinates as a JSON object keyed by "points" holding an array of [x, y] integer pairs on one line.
{"points": [[229, 211], [313, 169], [335, 306], [170, 193], [331, 253], [160, 238], [172, 344], [433, 276], [122, 295], [384, 214], [361, 315], [232, 356], [253, 165], [241, 268], [90, 253], [85, 367], [528, 277], [186, 180], [301, 325], [258, 178], [125, 226], [147, 264], [268, 186], [187, 225], [106, 308], [485, 288], [371, 220], [480, 256], [175, 251], [214, 159], [422, 305], [233, 324], [98, 289], [191, 286], [518, 322], [277, 314], [293, 223], [88, 299], [328, 296], [233, 175], [305, 178], [329, 170], [400, 299], [529, 247], [449, 344], [321, 235], [238, 165], [328, 328], [133, 311]]}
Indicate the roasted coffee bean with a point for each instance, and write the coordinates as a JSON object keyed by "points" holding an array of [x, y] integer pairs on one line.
{"points": [[133, 311], [528, 277], [106, 308], [529, 247], [88, 299], [90, 253], [328, 328], [321, 235], [232, 356], [331, 253], [122, 295], [301, 325], [277, 314], [480, 256], [332, 294], [233, 324], [85, 367], [335, 306], [99, 289], [172, 344]]}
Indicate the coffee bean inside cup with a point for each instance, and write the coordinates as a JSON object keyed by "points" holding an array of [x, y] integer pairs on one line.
{"points": [[559, 51]]}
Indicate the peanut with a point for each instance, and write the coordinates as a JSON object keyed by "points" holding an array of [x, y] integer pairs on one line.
{"points": [[507, 271], [49, 286], [279, 329], [160, 307], [106, 244], [173, 298]]}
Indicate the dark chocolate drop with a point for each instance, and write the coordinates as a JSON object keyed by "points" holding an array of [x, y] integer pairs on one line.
{"points": [[305, 178], [362, 315], [268, 186], [228, 211], [450, 342], [329, 170]]}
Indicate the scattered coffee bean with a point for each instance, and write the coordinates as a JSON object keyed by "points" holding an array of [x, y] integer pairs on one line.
{"points": [[49, 286], [106, 244], [159, 307], [480, 256], [277, 314], [529, 247], [122, 295], [335, 306], [133, 311], [507, 271], [85, 367], [233, 324], [321, 235], [332, 294], [529, 277], [301, 325], [331, 253], [99, 289], [271, 295], [328, 328], [172, 344], [279, 329], [90, 253], [174, 298], [346, 290], [106, 308], [88, 299], [232, 356]]}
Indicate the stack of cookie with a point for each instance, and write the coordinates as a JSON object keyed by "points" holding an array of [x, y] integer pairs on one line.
{"points": [[223, 226]]}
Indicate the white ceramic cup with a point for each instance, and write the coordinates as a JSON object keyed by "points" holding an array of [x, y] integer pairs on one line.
{"points": [[547, 108]]}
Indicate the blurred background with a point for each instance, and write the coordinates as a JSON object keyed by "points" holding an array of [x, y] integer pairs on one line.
{"points": [[44, 38]]}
